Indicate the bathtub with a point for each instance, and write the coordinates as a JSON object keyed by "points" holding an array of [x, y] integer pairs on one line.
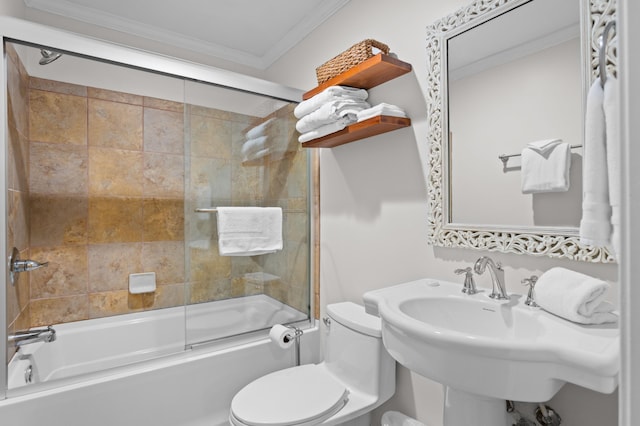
{"points": [[142, 368]]}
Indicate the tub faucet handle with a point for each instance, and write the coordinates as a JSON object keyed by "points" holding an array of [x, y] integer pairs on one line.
{"points": [[469, 286]]}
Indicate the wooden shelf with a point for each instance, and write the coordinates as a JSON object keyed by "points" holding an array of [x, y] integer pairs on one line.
{"points": [[370, 73], [364, 129]]}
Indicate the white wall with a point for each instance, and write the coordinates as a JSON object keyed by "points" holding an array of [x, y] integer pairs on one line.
{"points": [[373, 195], [373, 191]]}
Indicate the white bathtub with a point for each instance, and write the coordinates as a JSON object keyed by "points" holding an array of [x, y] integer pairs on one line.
{"points": [[101, 379]]}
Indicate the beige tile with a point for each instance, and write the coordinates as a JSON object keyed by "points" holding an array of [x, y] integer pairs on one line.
{"points": [[17, 220], [169, 296], [57, 118], [57, 86], [115, 220], [208, 265], [113, 96], [58, 310], [17, 96], [210, 179], [18, 160], [58, 169], [210, 112], [163, 219], [163, 131], [111, 264], [58, 220], [207, 291], [163, 104], [115, 125], [117, 302], [166, 259], [210, 137], [163, 175], [65, 275], [115, 172]]}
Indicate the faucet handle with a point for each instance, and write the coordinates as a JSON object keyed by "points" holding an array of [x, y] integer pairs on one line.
{"points": [[469, 286], [531, 282]]}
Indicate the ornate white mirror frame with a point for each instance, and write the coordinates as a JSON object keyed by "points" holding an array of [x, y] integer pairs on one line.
{"points": [[559, 242]]}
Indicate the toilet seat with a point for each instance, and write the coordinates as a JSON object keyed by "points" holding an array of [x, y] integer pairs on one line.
{"points": [[304, 395]]}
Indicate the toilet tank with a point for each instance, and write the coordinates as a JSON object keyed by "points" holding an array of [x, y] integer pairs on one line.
{"points": [[354, 351]]}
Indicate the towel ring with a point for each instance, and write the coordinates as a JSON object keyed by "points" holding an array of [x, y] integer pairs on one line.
{"points": [[603, 52]]}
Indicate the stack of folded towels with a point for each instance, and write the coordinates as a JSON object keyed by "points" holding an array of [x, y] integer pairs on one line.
{"points": [[255, 147], [335, 108], [574, 296]]}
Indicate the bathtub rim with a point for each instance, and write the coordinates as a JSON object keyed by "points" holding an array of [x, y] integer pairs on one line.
{"points": [[189, 353]]}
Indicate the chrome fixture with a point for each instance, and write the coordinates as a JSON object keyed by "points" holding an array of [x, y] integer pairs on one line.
{"points": [[498, 290], [531, 282], [469, 285], [17, 265], [34, 335], [505, 157], [48, 56], [297, 333], [547, 416]]}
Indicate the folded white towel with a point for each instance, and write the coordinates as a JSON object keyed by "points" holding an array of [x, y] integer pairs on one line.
{"points": [[595, 226], [330, 112], [259, 130], [545, 166], [331, 93], [327, 129], [252, 146], [381, 109], [249, 231], [256, 155], [611, 115], [574, 296]]}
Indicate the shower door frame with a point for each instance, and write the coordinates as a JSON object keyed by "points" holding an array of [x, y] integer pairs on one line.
{"points": [[25, 32]]}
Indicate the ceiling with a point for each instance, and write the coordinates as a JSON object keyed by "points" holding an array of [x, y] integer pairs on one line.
{"points": [[248, 32]]}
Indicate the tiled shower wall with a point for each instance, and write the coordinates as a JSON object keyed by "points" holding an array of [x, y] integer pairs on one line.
{"points": [[18, 189], [105, 197]]}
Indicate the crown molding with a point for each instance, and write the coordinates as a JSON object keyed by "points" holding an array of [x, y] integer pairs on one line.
{"points": [[119, 23]]}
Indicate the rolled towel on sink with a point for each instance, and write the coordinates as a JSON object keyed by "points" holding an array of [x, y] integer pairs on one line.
{"points": [[574, 296]]}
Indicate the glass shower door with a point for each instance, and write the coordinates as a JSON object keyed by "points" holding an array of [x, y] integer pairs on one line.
{"points": [[242, 151]]}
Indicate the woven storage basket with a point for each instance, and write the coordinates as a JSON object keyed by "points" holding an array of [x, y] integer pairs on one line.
{"points": [[351, 57]]}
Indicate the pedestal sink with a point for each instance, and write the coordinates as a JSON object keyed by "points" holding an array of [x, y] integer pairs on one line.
{"points": [[486, 351]]}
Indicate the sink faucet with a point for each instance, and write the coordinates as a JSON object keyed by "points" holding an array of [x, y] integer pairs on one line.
{"points": [[497, 274], [32, 336]]}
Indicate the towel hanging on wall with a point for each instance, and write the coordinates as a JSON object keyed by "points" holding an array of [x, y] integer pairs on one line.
{"points": [[545, 166], [249, 231]]}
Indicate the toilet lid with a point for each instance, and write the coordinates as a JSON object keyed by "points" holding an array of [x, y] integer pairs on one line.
{"points": [[294, 396]]}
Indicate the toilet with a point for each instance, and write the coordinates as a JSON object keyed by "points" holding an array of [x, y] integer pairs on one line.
{"points": [[356, 376]]}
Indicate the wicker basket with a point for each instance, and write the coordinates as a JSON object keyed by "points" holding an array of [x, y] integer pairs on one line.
{"points": [[351, 57]]}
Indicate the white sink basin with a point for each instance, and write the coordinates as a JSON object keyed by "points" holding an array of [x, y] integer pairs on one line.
{"points": [[497, 349]]}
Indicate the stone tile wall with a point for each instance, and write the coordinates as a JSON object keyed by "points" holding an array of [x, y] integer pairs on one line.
{"points": [[107, 197]]}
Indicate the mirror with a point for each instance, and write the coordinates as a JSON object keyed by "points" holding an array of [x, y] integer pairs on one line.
{"points": [[503, 74]]}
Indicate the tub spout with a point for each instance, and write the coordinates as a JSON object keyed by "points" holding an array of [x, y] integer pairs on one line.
{"points": [[20, 338]]}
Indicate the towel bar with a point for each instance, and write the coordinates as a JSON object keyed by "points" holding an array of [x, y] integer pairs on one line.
{"points": [[214, 210], [505, 158]]}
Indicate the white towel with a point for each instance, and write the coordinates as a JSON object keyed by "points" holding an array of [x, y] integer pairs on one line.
{"points": [[574, 296], [331, 93], [611, 115], [252, 146], [327, 129], [595, 226], [249, 231], [546, 166], [330, 112], [381, 109], [259, 130]]}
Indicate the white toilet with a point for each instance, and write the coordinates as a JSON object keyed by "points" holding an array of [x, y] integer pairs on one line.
{"points": [[356, 376]]}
